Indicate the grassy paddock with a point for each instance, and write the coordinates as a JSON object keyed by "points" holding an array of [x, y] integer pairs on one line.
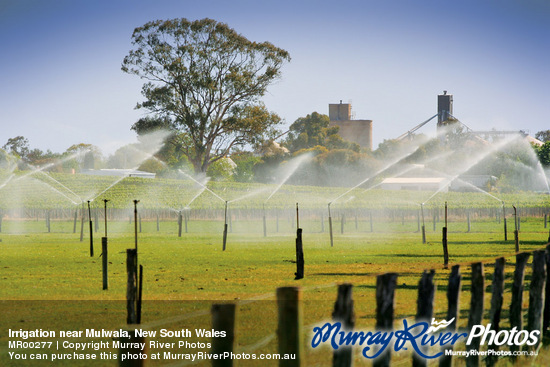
{"points": [[49, 281]]}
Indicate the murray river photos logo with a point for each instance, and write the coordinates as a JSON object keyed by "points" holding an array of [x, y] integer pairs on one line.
{"points": [[419, 336]]}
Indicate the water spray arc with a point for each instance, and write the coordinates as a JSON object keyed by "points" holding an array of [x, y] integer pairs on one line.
{"points": [[219, 197], [202, 185], [292, 167]]}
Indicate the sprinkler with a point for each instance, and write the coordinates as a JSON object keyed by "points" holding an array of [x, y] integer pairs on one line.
{"points": [[330, 226], [91, 230]]}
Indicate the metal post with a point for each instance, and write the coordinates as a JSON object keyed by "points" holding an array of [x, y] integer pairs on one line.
{"points": [[91, 230], [330, 226], [136, 224], [105, 204], [423, 224], [225, 227]]}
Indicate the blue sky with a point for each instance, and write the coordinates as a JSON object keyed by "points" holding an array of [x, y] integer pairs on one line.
{"points": [[61, 83]]}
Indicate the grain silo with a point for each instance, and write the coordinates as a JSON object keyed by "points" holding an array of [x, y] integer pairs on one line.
{"points": [[357, 131]]}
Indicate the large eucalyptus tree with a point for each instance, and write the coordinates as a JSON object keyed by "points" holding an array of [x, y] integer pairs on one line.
{"points": [[204, 81]]}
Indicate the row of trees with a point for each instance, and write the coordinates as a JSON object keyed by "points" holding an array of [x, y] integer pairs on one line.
{"points": [[17, 153]]}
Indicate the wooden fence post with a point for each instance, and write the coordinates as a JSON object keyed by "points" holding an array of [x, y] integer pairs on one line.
{"points": [[104, 262], [224, 237], [289, 330], [139, 295], [424, 309], [299, 255], [223, 319], [497, 294], [343, 313], [516, 319], [476, 309], [536, 293], [516, 315], [445, 248], [385, 289], [546, 319], [496, 305], [453, 299], [131, 289], [133, 355]]}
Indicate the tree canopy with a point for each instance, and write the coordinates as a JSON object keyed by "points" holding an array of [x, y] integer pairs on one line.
{"points": [[313, 130], [543, 135], [204, 81]]}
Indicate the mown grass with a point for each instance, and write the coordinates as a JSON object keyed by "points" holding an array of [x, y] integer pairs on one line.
{"points": [[49, 281]]}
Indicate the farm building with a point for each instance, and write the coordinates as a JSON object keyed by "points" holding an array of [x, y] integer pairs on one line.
{"points": [[415, 183], [118, 172]]}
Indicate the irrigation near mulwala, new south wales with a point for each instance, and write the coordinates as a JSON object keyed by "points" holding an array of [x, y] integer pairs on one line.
{"points": [[170, 255]]}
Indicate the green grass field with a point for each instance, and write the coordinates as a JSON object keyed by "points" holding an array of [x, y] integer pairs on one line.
{"points": [[49, 280]]}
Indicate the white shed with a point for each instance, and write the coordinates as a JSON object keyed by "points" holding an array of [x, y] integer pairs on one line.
{"points": [[415, 183]]}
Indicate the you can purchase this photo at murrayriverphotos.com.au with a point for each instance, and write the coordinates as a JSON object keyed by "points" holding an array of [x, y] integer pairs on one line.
{"points": [[294, 184]]}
